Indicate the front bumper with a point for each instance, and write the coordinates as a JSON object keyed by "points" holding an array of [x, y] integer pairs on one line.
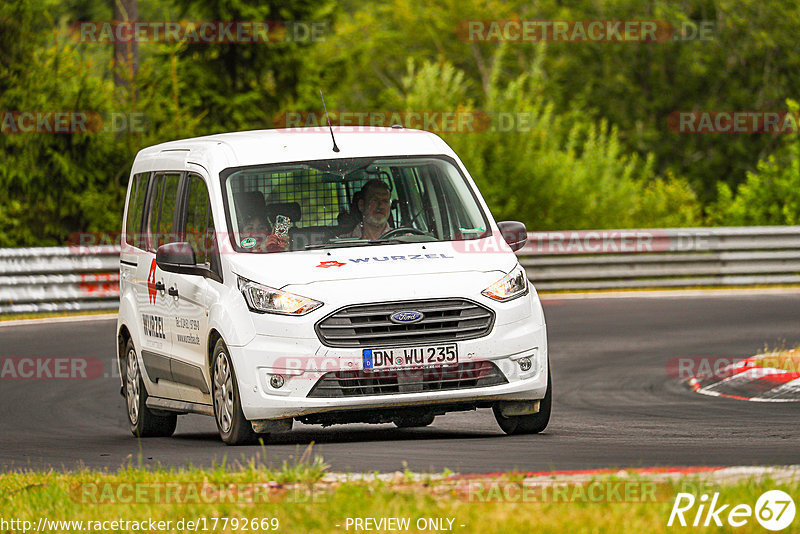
{"points": [[302, 362]]}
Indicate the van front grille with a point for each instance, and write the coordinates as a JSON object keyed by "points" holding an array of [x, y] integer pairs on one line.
{"points": [[369, 325], [362, 383]]}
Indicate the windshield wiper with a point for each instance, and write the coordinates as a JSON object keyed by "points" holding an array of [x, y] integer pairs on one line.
{"points": [[385, 241], [336, 244], [364, 243]]}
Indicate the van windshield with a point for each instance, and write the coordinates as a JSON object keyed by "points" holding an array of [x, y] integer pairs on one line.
{"points": [[349, 202]]}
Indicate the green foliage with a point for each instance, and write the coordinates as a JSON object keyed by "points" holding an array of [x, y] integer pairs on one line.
{"points": [[550, 171], [770, 195], [579, 138], [45, 178], [239, 86], [734, 55], [55, 185], [748, 61]]}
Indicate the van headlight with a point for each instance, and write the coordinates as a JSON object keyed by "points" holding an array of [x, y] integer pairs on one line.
{"points": [[265, 299], [511, 286]]}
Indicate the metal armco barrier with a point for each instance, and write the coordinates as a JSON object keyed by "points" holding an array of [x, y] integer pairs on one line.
{"points": [[59, 279], [656, 258], [87, 278]]}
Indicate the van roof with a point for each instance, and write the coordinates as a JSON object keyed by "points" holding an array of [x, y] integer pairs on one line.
{"points": [[255, 147]]}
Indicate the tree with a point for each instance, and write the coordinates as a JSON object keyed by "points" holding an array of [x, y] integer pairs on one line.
{"points": [[241, 85], [126, 53]]}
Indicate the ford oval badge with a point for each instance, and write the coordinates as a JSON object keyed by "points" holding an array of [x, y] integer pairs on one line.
{"points": [[406, 317]]}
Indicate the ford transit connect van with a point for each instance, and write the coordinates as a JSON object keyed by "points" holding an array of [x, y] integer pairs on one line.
{"points": [[273, 276]]}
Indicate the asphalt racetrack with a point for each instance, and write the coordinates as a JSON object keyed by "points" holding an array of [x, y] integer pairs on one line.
{"points": [[615, 402]]}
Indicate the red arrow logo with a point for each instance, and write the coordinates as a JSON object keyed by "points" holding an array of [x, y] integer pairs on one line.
{"points": [[151, 283], [334, 263]]}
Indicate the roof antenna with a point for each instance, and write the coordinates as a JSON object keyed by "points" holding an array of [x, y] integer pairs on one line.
{"points": [[335, 148]]}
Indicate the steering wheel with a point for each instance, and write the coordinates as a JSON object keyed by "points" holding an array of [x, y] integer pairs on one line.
{"points": [[402, 230]]}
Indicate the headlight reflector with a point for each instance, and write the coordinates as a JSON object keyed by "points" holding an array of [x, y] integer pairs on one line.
{"points": [[265, 299], [511, 286]]}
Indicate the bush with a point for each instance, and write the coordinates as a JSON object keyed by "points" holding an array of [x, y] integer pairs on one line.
{"points": [[55, 185], [770, 195], [558, 171]]}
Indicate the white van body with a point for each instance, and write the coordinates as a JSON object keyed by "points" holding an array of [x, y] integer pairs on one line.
{"points": [[299, 367]]}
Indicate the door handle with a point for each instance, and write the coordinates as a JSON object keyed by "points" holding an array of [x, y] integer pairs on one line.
{"points": [[160, 286], [173, 291]]}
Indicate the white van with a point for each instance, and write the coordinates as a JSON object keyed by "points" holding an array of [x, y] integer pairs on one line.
{"points": [[280, 275]]}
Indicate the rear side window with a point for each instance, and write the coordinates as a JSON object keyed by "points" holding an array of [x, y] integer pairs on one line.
{"points": [[161, 212], [133, 221], [199, 222]]}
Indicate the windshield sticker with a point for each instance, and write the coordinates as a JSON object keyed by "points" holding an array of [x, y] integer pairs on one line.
{"points": [[248, 242], [478, 230]]}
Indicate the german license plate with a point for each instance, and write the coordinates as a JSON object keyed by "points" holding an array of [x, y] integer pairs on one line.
{"points": [[410, 357]]}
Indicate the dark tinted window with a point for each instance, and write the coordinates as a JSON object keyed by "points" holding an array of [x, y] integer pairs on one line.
{"points": [[199, 223], [133, 222], [163, 198]]}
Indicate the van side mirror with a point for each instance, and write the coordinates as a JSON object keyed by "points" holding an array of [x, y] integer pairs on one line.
{"points": [[514, 233], [180, 258], [171, 257]]}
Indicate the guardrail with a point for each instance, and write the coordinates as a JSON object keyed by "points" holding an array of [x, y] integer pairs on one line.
{"points": [[668, 258], [87, 278], [59, 279]]}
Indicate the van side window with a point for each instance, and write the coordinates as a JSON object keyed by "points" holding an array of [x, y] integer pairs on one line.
{"points": [[199, 222], [161, 213], [133, 221]]}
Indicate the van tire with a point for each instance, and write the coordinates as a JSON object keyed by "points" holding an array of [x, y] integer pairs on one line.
{"points": [[233, 428], [141, 420], [528, 424]]}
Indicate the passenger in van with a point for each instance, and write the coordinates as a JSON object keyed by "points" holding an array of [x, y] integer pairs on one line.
{"points": [[374, 206], [255, 227]]}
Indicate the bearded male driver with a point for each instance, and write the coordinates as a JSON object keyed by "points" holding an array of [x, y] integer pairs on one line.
{"points": [[374, 206]]}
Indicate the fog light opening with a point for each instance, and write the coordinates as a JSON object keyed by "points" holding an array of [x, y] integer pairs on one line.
{"points": [[525, 364], [276, 381]]}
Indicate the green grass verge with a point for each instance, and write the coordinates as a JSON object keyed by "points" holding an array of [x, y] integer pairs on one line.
{"points": [[302, 499]]}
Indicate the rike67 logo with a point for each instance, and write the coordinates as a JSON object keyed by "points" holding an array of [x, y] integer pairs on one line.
{"points": [[774, 510]]}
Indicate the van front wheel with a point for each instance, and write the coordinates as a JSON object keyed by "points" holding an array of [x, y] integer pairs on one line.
{"points": [[233, 428], [532, 423]]}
